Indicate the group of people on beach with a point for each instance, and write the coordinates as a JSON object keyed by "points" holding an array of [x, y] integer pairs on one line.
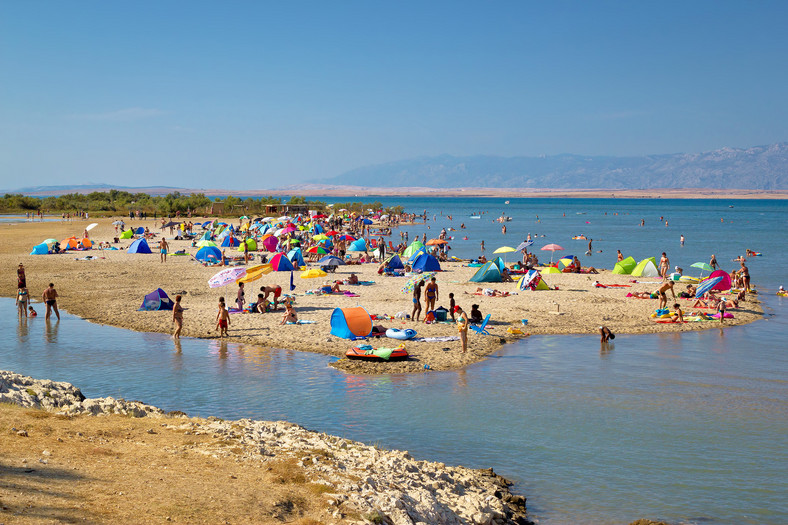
{"points": [[24, 308]]}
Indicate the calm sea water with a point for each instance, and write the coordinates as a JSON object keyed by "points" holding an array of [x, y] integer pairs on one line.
{"points": [[687, 428]]}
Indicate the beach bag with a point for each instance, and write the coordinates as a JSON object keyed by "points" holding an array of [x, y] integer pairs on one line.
{"points": [[441, 314], [430, 317]]}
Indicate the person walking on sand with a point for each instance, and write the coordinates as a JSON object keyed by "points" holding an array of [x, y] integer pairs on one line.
{"points": [[430, 295], [21, 280], [239, 299], [177, 317], [417, 301], [462, 327], [664, 266], [50, 296], [163, 246], [222, 319]]}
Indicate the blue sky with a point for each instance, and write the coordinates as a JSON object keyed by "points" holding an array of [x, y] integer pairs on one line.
{"points": [[253, 95]]}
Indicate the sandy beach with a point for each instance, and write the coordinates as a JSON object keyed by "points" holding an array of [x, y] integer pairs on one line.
{"points": [[110, 288]]}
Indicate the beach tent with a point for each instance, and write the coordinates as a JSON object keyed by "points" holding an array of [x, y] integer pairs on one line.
{"points": [[127, 234], [40, 249], [206, 236], [69, 244], [724, 284], [280, 263], [86, 243], [395, 263], [426, 263], [296, 257], [156, 300], [250, 243], [140, 231], [351, 323], [208, 253], [646, 268], [551, 269], [359, 245], [230, 242], [532, 280], [625, 266], [418, 253], [413, 248], [487, 273], [139, 246]]}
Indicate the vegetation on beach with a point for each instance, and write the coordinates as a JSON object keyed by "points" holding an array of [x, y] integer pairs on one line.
{"points": [[115, 202]]}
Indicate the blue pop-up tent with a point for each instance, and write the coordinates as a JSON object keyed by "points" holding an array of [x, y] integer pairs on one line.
{"points": [[139, 246], [426, 263], [156, 300], [208, 253]]}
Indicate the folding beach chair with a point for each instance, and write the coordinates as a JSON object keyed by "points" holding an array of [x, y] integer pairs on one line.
{"points": [[482, 328]]}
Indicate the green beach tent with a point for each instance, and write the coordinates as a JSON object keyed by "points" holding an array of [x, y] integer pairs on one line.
{"points": [[646, 268], [127, 234], [625, 266], [413, 248]]}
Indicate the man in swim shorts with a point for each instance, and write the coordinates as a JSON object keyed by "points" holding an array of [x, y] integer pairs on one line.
{"points": [[417, 301], [661, 292], [222, 319], [275, 290], [163, 246], [50, 300]]}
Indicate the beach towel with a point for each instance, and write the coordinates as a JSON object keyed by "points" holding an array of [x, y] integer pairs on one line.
{"points": [[442, 339]]}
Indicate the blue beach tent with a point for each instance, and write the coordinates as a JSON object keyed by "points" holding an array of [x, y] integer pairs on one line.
{"points": [[230, 242], [208, 253], [156, 300], [418, 253], [139, 246], [426, 263], [40, 249], [489, 272], [296, 257], [351, 323], [395, 263]]}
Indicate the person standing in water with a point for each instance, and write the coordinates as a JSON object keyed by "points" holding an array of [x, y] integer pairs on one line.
{"points": [[177, 317], [50, 296]]}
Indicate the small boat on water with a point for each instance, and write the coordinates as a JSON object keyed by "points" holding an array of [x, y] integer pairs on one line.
{"points": [[475, 217], [503, 218]]}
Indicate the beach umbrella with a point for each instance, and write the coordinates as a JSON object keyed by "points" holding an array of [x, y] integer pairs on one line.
{"points": [[567, 260], [332, 233], [226, 276], [313, 273], [552, 248], [435, 242], [280, 263], [91, 226], [346, 237], [320, 237], [320, 216], [318, 250], [250, 276], [331, 260], [504, 249], [707, 285], [49, 242], [118, 223], [204, 243], [270, 243], [411, 284], [703, 267], [523, 245]]}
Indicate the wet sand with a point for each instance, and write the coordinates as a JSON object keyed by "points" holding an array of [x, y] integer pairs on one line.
{"points": [[110, 288]]}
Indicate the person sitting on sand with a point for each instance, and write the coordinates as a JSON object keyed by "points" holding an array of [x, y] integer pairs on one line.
{"points": [[476, 314], [678, 316], [482, 259], [353, 279], [505, 277], [605, 334], [663, 298], [262, 305], [290, 314], [641, 295]]}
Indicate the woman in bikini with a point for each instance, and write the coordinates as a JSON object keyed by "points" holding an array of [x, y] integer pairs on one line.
{"points": [[417, 301], [177, 317], [431, 295]]}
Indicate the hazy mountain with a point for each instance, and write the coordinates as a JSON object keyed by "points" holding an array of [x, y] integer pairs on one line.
{"points": [[757, 168]]}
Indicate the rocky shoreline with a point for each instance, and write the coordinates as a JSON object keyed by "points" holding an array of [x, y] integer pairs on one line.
{"points": [[384, 486]]}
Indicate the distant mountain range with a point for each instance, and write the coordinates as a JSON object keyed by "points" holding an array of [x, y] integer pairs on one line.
{"points": [[756, 168]]}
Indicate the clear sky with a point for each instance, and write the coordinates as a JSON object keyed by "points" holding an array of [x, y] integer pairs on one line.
{"points": [[252, 95]]}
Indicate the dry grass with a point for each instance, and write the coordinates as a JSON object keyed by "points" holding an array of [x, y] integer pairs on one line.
{"points": [[113, 470]]}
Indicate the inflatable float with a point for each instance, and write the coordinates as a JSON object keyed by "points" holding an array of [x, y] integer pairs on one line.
{"points": [[405, 334], [580, 237], [367, 353]]}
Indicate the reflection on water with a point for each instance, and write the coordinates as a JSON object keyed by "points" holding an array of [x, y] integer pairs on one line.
{"points": [[50, 333], [662, 426]]}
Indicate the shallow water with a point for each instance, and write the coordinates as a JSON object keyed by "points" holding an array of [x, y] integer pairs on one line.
{"points": [[688, 428]]}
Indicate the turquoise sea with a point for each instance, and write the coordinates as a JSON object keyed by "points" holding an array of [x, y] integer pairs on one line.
{"points": [[686, 428]]}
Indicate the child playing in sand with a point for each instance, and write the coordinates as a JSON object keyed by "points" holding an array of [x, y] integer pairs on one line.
{"points": [[222, 319]]}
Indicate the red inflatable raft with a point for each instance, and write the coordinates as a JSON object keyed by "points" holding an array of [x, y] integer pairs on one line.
{"points": [[377, 354]]}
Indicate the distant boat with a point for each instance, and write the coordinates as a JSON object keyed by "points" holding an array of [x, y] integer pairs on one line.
{"points": [[731, 206], [476, 217], [507, 202]]}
